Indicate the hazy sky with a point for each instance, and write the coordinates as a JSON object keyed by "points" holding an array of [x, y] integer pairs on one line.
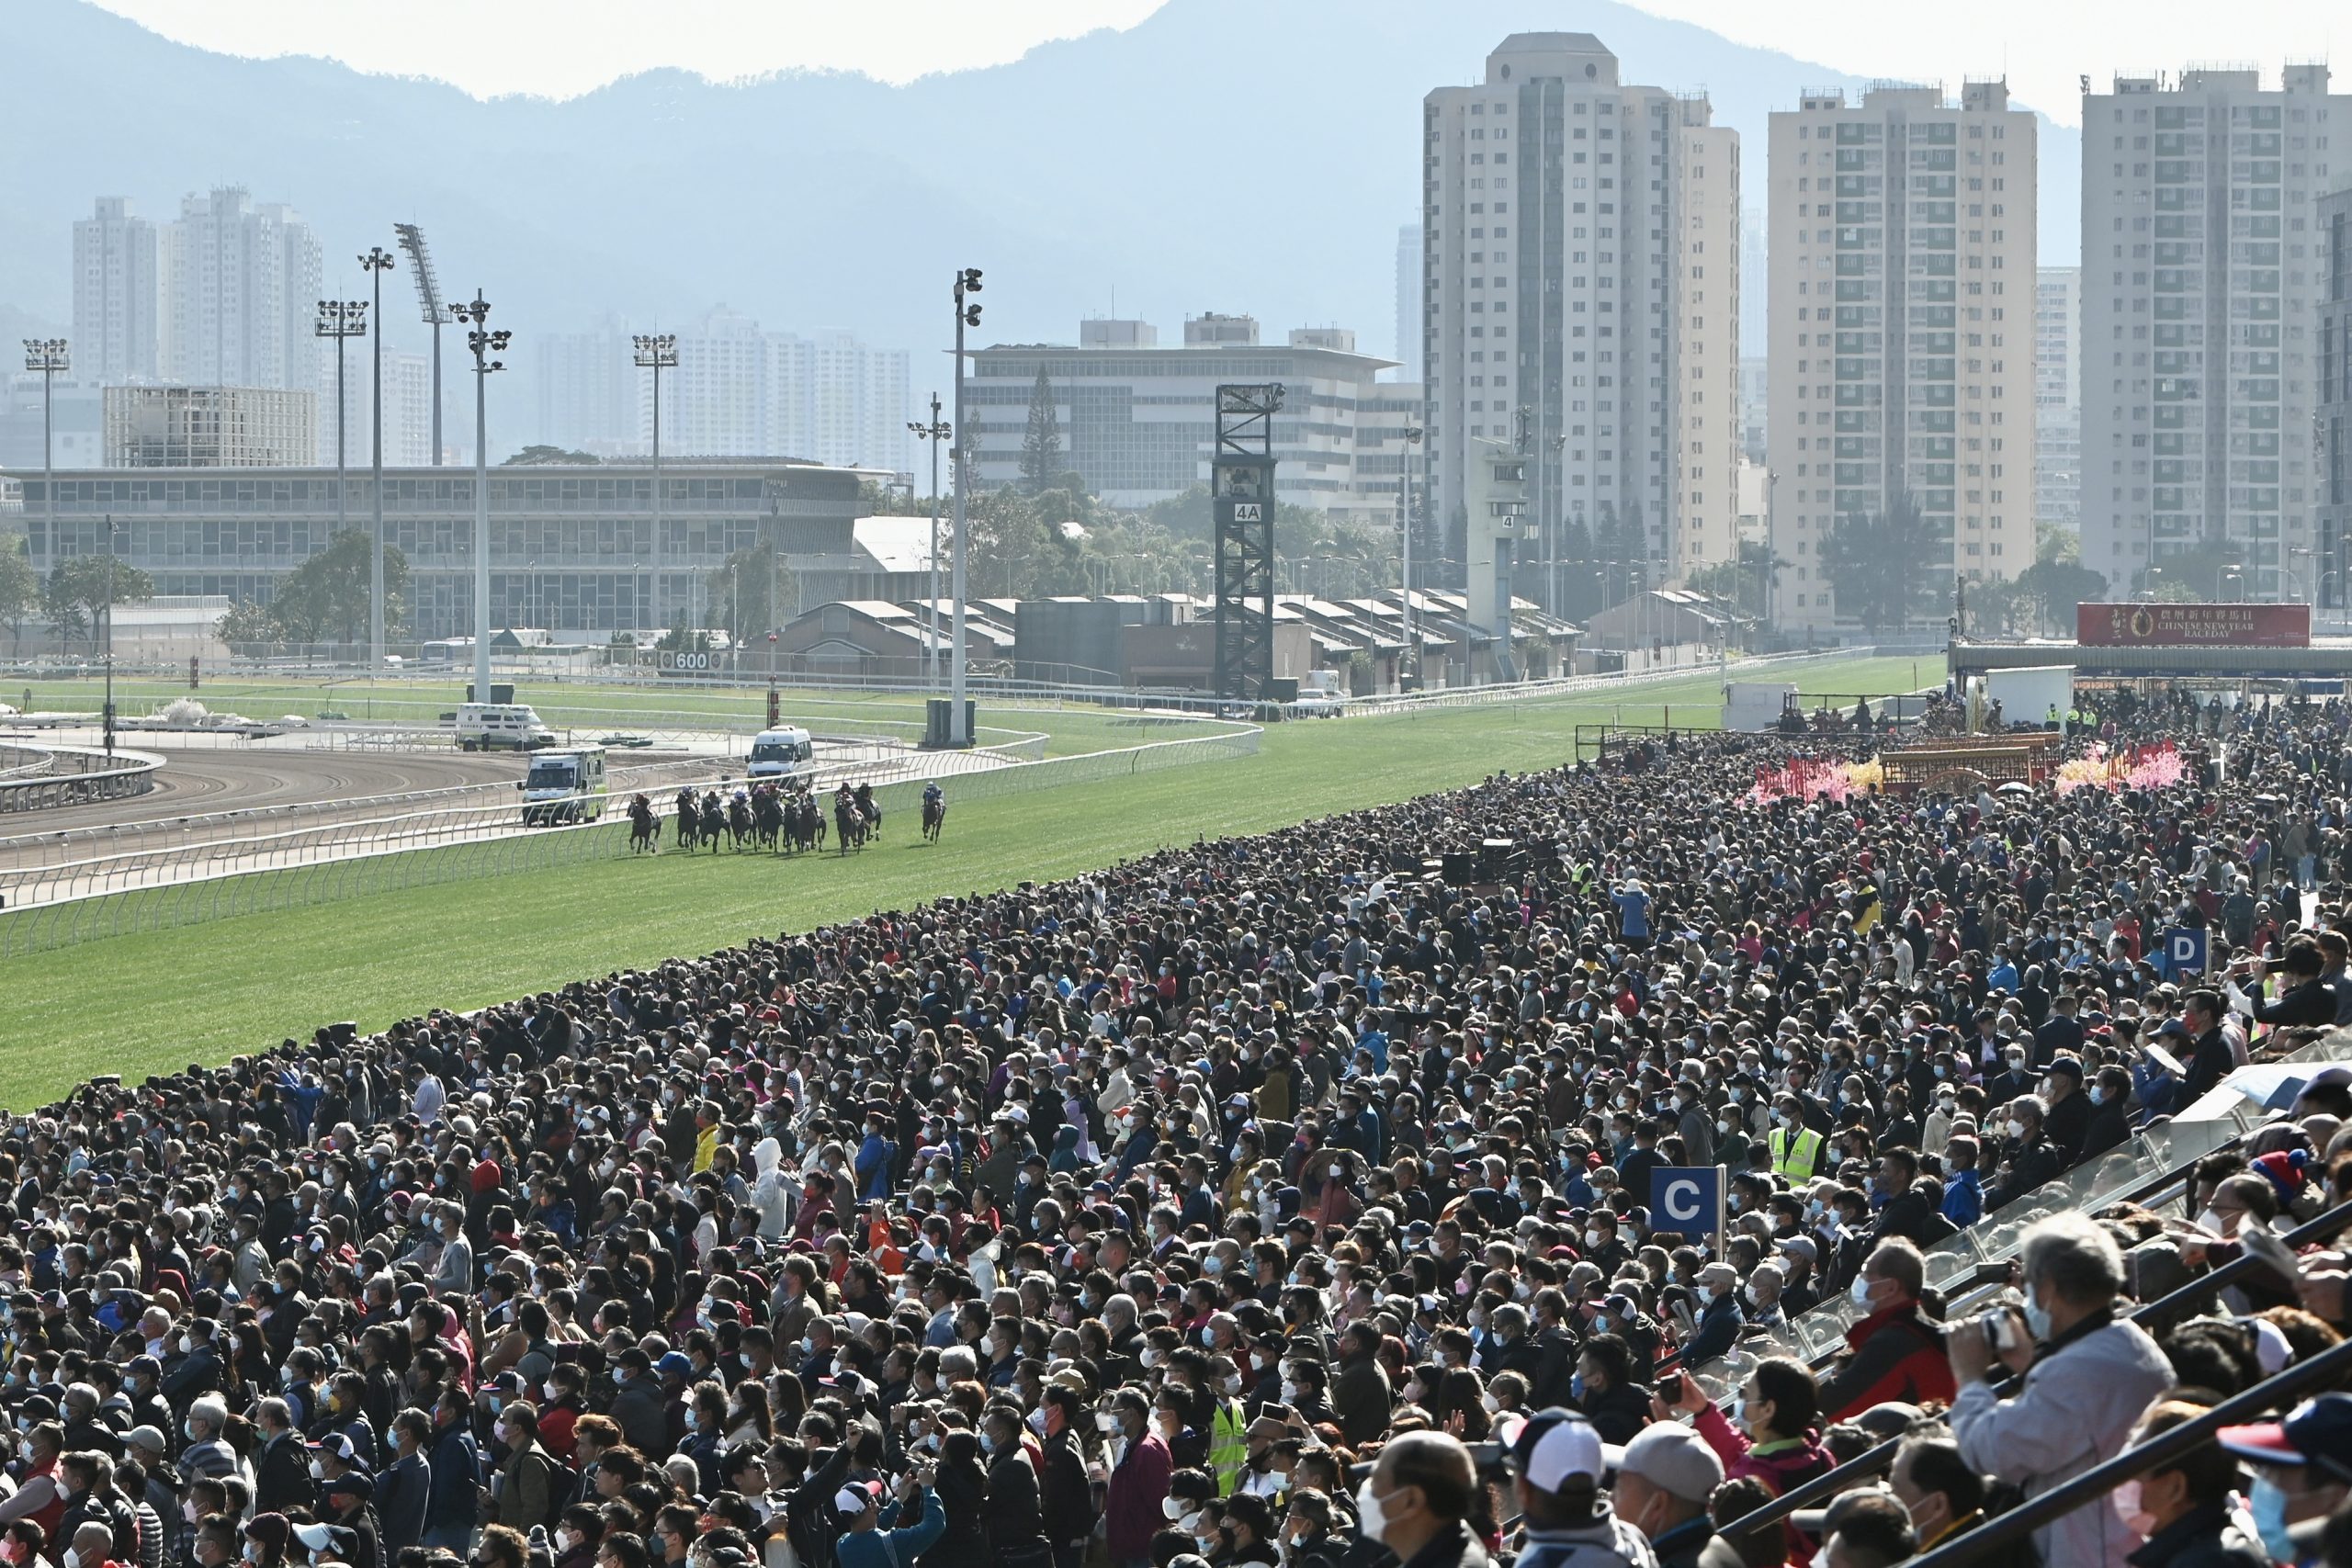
{"points": [[564, 47]]}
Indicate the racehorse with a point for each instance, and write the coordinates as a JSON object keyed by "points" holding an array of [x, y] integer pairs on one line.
{"points": [[849, 823], [803, 823], [644, 828], [869, 812], [714, 821], [935, 817], [689, 819], [767, 818], [739, 819]]}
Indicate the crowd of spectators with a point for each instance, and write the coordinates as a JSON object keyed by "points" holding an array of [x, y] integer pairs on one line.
{"points": [[1269, 1200]]}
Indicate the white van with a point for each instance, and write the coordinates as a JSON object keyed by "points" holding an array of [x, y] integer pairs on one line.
{"points": [[501, 726], [564, 787], [778, 753]]}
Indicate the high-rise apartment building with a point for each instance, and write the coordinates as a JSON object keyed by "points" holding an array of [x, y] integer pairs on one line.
{"points": [[1408, 304], [116, 292], [736, 391], [1581, 263], [832, 399], [2058, 396], [209, 427], [240, 289], [1902, 334], [2201, 283], [2329, 586], [408, 410], [587, 389]]}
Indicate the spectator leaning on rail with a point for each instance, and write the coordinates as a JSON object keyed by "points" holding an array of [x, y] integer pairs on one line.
{"points": [[2088, 1377]]}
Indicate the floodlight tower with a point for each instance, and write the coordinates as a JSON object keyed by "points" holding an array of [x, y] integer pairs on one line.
{"points": [[657, 353], [437, 314], [485, 343]]}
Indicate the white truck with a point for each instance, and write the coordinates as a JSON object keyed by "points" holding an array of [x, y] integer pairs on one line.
{"points": [[780, 753], [2027, 695], [1320, 696], [501, 726], [564, 787]]}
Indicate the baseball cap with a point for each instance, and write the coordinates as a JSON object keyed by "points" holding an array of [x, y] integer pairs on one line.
{"points": [[350, 1484], [852, 1500], [149, 1437], [1801, 1247], [2318, 1431], [675, 1362], [1557, 1447], [1820, 1522], [1719, 1274], [1672, 1458]]}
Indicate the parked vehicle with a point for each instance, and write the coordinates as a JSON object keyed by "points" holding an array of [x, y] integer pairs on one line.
{"points": [[778, 753], [501, 726]]}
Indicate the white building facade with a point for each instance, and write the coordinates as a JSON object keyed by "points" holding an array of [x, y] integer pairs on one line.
{"points": [[2202, 283], [1581, 263], [116, 292], [2058, 398], [242, 284], [1901, 321]]}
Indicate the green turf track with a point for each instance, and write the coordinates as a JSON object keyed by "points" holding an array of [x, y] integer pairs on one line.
{"points": [[142, 1004]]}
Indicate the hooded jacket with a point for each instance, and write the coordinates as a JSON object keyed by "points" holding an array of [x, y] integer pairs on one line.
{"points": [[771, 1190]]}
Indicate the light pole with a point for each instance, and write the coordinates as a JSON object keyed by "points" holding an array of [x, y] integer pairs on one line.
{"points": [[376, 262], [937, 431], [967, 314], [341, 320], [657, 353], [1413, 435], [485, 343], [437, 314], [49, 357], [111, 571]]}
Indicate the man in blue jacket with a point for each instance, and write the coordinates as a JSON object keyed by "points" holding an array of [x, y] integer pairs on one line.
{"points": [[1720, 1323], [866, 1543], [453, 1500]]}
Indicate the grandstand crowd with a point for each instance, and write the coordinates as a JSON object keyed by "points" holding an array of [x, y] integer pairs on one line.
{"points": [[1269, 1200]]}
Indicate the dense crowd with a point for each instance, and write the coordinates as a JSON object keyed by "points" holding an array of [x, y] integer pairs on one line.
{"points": [[1272, 1200]]}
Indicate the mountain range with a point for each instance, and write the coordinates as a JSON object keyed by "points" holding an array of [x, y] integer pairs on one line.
{"points": [[1221, 155]]}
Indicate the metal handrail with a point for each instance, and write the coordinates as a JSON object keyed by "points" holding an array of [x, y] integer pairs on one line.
{"points": [[2323, 1370], [1870, 1464]]}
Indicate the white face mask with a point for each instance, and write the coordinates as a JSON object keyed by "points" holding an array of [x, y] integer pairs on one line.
{"points": [[2016, 1128], [1372, 1523]]}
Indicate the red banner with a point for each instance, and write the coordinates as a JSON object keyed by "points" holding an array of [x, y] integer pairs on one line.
{"points": [[2193, 626]]}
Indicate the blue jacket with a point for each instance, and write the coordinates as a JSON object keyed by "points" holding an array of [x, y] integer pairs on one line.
{"points": [[1719, 1328], [1964, 1198], [883, 1546], [455, 1496], [873, 1167]]}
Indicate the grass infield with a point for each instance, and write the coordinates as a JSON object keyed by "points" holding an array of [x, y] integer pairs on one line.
{"points": [[142, 1004]]}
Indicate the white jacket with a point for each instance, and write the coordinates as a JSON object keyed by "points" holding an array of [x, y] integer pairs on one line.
{"points": [[2077, 1409]]}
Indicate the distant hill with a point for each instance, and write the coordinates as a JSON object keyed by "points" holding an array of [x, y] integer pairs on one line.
{"points": [[1221, 155]]}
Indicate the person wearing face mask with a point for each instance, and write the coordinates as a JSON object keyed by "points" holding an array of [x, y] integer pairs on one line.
{"points": [[2184, 1511], [2110, 1120], [1011, 1519], [1131, 1506], [22, 1543], [1719, 1320], [2302, 1472], [1360, 1396], [1777, 1436], [2029, 1159], [1894, 1351], [1066, 1497], [282, 1465], [1937, 1488], [2088, 1376], [1665, 1477], [1417, 1499], [526, 1495]]}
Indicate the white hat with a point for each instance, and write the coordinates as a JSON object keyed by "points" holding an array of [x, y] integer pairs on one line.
{"points": [[1557, 1446]]}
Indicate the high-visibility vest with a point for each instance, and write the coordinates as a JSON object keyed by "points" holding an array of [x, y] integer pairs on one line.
{"points": [[1228, 1446], [1795, 1160]]}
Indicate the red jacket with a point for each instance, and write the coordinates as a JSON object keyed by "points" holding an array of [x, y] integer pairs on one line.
{"points": [[1132, 1513], [1896, 1353]]}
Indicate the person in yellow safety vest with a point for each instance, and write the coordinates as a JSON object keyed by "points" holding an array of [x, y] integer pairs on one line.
{"points": [[1795, 1148]]}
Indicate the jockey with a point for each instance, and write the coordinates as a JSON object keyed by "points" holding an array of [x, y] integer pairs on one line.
{"points": [[932, 794]]}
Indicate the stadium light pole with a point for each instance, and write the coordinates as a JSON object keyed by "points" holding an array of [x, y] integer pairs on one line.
{"points": [[437, 314], [657, 353], [485, 343], [111, 569], [1413, 435], [967, 314], [376, 262], [937, 431], [341, 320], [49, 357]]}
